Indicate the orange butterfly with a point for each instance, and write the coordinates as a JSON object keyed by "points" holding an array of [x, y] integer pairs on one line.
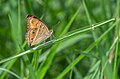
{"points": [[37, 31]]}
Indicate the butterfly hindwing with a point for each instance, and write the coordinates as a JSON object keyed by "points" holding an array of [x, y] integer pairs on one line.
{"points": [[43, 34]]}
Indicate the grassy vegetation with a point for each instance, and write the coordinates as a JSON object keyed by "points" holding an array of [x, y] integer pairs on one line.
{"points": [[85, 42]]}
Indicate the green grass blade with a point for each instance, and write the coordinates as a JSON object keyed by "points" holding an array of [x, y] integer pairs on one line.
{"points": [[81, 56], [85, 43], [28, 6], [19, 23], [44, 67], [12, 73], [71, 21], [114, 76], [54, 41]]}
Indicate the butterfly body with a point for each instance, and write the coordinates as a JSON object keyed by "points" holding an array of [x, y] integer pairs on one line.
{"points": [[37, 31]]}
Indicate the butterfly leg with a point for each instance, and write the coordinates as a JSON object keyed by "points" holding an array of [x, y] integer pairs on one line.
{"points": [[44, 41], [52, 37]]}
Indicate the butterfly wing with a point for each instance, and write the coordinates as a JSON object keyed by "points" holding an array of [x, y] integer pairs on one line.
{"points": [[30, 35], [37, 31], [32, 27], [42, 35], [33, 22]]}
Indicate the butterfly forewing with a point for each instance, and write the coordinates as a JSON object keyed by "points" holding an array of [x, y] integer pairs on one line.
{"points": [[33, 22], [37, 31]]}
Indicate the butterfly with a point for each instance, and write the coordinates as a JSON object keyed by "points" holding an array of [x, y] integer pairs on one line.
{"points": [[37, 31]]}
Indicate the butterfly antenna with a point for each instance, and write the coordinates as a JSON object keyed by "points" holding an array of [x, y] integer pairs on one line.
{"points": [[42, 16], [44, 41], [57, 23], [52, 37]]}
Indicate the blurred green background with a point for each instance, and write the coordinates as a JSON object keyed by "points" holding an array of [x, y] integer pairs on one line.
{"points": [[92, 54]]}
